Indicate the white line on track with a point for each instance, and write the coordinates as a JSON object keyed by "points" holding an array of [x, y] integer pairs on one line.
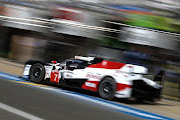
{"points": [[19, 112]]}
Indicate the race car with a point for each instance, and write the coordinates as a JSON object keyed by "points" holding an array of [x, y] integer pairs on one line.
{"points": [[109, 79]]}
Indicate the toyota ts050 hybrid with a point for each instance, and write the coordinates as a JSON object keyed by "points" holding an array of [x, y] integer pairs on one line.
{"points": [[109, 79]]}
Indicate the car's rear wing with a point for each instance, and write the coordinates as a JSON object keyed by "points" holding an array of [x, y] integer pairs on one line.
{"points": [[158, 77], [84, 58]]}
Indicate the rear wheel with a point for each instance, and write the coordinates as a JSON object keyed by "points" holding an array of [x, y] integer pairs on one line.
{"points": [[37, 73], [107, 88]]}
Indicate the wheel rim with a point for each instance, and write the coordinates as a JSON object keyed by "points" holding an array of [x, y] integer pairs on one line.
{"points": [[37, 72], [107, 89]]}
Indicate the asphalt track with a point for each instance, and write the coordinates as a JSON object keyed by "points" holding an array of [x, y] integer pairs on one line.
{"points": [[50, 106], [21, 99]]}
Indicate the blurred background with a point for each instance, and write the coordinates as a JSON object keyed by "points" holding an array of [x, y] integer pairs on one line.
{"points": [[141, 32]]}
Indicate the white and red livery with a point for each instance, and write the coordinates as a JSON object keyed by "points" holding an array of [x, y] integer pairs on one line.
{"points": [[110, 79]]}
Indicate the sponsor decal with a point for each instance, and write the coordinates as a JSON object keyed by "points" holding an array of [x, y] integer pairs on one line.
{"points": [[114, 75], [84, 58], [131, 68], [126, 75], [26, 70], [93, 76], [47, 74], [55, 76], [119, 71], [28, 66], [104, 62], [69, 76], [90, 85]]}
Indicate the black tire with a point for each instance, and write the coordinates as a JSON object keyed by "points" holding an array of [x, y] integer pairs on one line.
{"points": [[37, 73], [107, 88]]}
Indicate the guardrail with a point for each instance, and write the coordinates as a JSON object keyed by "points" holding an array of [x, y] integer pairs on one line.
{"points": [[46, 23]]}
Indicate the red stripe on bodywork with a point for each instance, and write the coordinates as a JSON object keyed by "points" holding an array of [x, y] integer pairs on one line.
{"points": [[107, 65], [91, 88], [121, 86]]}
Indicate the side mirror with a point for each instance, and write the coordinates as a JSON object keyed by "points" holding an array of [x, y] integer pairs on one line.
{"points": [[53, 61]]}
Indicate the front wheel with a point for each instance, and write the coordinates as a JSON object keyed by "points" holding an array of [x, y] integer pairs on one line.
{"points": [[107, 88], [37, 73]]}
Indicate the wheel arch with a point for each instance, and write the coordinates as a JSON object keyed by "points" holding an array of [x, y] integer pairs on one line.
{"points": [[42, 66], [107, 76], [113, 87], [32, 62]]}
